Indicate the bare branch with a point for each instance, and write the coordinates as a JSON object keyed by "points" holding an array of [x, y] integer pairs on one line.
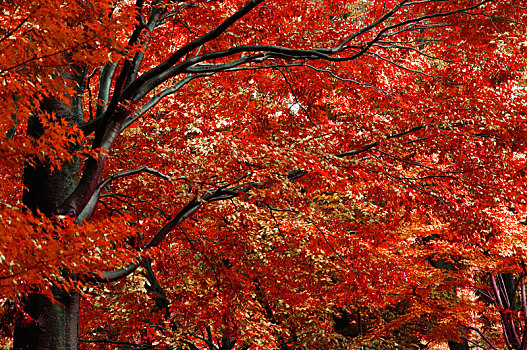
{"points": [[159, 296], [524, 308], [153, 21], [115, 342], [156, 75], [112, 276], [13, 31], [141, 169], [88, 209], [375, 144], [295, 97], [483, 337], [156, 98], [114, 118], [184, 213], [273, 51], [105, 83]]}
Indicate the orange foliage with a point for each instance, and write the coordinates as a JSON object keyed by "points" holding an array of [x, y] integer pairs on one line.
{"points": [[278, 174]]}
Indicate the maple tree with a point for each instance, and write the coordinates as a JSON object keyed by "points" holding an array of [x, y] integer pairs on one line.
{"points": [[263, 174]]}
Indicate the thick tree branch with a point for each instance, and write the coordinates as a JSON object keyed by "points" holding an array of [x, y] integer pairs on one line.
{"points": [[117, 119], [193, 206], [90, 206], [184, 213], [105, 118], [113, 119], [221, 67], [146, 83], [115, 275], [159, 96], [153, 286], [153, 21], [111, 123], [105, 82], [524, 309], [156, 74], [507, 331]]}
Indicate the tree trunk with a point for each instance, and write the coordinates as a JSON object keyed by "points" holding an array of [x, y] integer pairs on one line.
{"points": [[54, 325]]}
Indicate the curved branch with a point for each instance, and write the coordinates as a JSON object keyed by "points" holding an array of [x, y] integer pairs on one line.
{"points": [[168, 69], [375, 144], [184, 213], [87, 211], [158, 97], [219, 67], [483, 337], [154, 72], [145, 83], [140, 87], [112, 276], [153, 21]]}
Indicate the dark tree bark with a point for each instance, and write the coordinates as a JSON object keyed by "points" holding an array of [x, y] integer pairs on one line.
{"points": [[54, 324], [458, 346]]}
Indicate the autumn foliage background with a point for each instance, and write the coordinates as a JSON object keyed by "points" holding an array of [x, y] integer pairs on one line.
{"points": [[318, 175]]}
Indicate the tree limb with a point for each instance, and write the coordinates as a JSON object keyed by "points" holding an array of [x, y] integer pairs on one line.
{"points": [[375, 144], [155, 75], [89, 208]]}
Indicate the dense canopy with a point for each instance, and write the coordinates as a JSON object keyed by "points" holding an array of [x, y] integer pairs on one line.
{"points": [[263, 174]]}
